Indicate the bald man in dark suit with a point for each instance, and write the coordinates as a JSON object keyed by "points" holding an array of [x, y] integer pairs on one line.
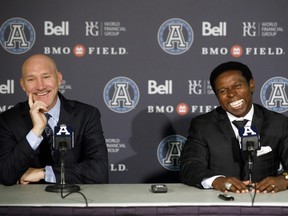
{"points": [[25, 154]]}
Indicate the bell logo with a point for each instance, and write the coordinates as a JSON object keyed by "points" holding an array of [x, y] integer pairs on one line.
{"points": [[208, 30], [7, 88], [50, 29], [153, 88]]}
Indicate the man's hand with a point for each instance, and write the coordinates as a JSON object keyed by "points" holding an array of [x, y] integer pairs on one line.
{"points": [[32, 175], [39, 120], [237, 186], [272, 184]]}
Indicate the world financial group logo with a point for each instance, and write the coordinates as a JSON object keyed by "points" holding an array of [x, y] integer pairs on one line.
{"points": [[274, 94], [175, 36], [121, 94], [17, 35], [169, 151]]}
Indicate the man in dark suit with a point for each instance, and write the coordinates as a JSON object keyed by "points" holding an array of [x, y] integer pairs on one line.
{"points": [[211, 157], [26, 155]]}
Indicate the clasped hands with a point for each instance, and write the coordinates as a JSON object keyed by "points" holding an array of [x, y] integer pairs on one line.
{"points": [[268, 185]]}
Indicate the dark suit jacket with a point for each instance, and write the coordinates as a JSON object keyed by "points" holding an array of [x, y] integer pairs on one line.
{"points": [[212, 148], [87, 162]]}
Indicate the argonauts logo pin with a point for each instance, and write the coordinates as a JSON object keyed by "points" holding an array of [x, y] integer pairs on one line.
{"points": [[169, 151], [175, 36], [121, 94], [274, 94], [17, 35]]}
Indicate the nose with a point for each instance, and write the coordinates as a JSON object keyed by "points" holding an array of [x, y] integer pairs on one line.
{"points": [[231, 92], [40, 84]]}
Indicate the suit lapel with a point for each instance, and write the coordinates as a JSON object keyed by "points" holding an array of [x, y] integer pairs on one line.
{"points": [[224, 124], [227, 130], [257, 120], [66, 112]]}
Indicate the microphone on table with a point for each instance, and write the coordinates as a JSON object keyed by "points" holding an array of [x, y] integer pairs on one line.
{"points": [[249, 140], [63, 141]]}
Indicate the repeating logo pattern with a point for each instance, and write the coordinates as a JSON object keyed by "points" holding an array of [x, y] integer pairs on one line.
{"points": [[17, 35], [169, 151], [274, 94], [121, 94], [175, 36]]}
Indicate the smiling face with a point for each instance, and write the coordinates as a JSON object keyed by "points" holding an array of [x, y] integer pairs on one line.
{"points": [[41, 79], [234, 93]]}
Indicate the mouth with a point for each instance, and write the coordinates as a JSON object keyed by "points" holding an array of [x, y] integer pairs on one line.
{"points": [[236, 104], [42, 94]]}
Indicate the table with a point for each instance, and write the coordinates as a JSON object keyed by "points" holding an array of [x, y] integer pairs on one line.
{"points": [[136, 199]]}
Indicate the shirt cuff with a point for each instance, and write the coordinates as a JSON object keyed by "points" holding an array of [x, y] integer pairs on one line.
{"points": [[33, 140], [207, 183], [49, 175]]}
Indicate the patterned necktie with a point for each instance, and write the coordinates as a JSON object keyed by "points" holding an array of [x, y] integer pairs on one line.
{"points": [[240, 124], [49, 134]]}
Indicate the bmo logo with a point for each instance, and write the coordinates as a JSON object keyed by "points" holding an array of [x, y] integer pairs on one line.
{"points": [[161, 88], [209, 30], [59, 30]]}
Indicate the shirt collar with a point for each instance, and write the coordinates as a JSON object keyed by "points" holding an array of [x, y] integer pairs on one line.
{"points": [[248, 116], [55, 111]]}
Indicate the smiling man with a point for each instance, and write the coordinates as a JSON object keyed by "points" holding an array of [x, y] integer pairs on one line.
{"points": [[212, 158], [26, 155]]}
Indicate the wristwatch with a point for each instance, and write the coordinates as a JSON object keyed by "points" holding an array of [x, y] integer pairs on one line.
{"points": [[285, 174]]}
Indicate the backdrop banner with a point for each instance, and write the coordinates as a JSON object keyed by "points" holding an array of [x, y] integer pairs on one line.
{"points": [[146, 64]]}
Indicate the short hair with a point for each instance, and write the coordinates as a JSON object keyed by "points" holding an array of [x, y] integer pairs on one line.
{"points": [[231, 65]]}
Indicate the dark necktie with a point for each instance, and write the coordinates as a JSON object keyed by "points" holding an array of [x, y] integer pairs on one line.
{"points": [[240, 124], [47, 152], [243, 167]]}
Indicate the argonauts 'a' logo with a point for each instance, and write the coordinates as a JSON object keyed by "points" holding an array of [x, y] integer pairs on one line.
{"points": [[175, 36], [274, 94], [121, 94], [17, 35], [169, 151]]}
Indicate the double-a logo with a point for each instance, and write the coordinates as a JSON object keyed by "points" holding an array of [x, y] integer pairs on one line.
{"points": [[121, 94], [175, 36], [17, 35], [169, 151], [274, 94]]}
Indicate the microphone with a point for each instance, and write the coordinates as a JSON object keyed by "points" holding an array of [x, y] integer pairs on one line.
{"points": [[63, 141], [249, 142], [249, 138], [63, 138]]}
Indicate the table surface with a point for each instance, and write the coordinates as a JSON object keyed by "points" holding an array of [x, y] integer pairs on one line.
{"points": [[128, 195]]}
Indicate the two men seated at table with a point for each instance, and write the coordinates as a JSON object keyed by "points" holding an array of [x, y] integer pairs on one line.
{"points": [[211, 157]]}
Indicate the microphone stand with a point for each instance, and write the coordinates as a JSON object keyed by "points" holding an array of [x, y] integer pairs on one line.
{"points": [[63, 187], [250, 148]]}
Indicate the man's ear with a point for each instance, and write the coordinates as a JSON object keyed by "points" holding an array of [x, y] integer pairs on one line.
{"points": [[22, 84], [252, 85], [60, 77]]}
